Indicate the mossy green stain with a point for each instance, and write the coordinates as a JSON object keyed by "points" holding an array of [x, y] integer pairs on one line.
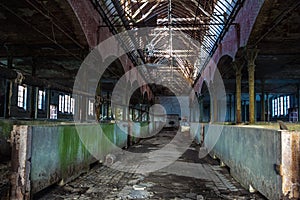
{"points": [[7, 127], [71, 149]]}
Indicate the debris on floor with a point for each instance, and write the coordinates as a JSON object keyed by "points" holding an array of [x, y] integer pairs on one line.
{"points": [[188, 178]]}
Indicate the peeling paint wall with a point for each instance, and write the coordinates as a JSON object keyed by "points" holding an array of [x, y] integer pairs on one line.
{"points": [[290, 168], [54, 153], [59, 153]]}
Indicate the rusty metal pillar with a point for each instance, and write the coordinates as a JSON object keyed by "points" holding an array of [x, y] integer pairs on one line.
{"points": [[48, 97], [33, 93], [251, 56], [245, 110], [9, 92], [238, 66]]}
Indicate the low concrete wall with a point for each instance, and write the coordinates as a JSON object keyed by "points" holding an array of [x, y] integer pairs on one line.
{"points": [[51, 153], [59, 152], [254, 156]]}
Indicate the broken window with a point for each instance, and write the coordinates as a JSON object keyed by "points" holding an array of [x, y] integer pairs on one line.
{"points": [[67, 104], [91, 108], [41, 100], [72, 109], [53, 112], [22, 96], [280, 106], [61, 103]]}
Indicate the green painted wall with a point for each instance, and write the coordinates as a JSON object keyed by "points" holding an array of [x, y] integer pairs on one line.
{"points": [[63, 151]]}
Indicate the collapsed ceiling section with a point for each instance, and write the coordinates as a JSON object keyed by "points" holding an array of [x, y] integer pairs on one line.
{"points": [[184, 33]]}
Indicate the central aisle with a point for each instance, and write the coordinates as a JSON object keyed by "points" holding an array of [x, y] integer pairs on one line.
{"points": [[187, 178]]}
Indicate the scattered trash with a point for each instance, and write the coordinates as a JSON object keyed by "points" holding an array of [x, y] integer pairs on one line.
{"points": [[200, 197], [139, 187], [110, 159], [191, 195]]}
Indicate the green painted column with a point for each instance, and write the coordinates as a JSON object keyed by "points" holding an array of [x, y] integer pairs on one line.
{"points": [[238, 66], [251, 56]]}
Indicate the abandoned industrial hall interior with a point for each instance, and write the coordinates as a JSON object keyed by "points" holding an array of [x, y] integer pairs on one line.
{"points": [[150, 99]]}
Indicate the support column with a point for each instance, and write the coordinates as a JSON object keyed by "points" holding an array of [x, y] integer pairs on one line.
{"points": [[262, 100], [245, 110], [201, 107], [48, 93], [238, 66], [36, 102], [9, 91], [268, 107], [84, 106], [215, 108], [213, 103], [251, 56], [107, 105], [230, 107], [33, 93], [234, 106], [98, 102]]}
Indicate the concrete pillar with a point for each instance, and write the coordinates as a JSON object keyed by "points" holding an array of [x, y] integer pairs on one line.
{"points": [[251, 56], [238, 66]]}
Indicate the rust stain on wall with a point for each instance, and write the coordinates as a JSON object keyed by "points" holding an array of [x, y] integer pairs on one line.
{"points": [[20, 143], [291, 164]]}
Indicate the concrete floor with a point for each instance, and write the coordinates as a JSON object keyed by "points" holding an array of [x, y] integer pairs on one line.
{"points": [[187, 178]]}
